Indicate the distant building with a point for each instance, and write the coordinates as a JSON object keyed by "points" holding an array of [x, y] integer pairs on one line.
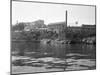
{"points": [[89, 27], [34, 25], [40, 24], [73, 28], [57, 26]]}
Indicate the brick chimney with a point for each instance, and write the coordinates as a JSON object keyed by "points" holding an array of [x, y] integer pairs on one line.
{"points": [[66, 18]]}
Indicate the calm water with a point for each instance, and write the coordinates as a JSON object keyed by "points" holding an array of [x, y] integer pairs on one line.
{"points": [[40, 57]]}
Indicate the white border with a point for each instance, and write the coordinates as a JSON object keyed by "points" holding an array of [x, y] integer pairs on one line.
{"points": [[5, 37]]}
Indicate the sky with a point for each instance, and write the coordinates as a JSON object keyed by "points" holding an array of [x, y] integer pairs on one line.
{"points": [[51, 13]]}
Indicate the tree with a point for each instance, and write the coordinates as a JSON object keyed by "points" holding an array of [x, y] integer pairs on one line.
{"points": [[19, 27]]}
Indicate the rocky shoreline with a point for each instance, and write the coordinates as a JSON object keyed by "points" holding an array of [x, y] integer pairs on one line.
{"points": [[83, 41], [89, 40]]}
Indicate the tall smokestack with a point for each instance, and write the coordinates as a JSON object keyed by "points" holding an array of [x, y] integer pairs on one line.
{"points": [[66, 18]]}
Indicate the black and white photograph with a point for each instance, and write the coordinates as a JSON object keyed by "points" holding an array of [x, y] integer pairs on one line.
{"points": [[52, 37]]}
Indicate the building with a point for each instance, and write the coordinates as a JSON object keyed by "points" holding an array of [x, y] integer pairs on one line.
{"points": [[73, 28], [59, 26], [34, 25], [89, 28]]}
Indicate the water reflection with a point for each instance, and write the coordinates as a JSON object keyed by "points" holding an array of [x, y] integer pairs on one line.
{"points": [[53, 56]]}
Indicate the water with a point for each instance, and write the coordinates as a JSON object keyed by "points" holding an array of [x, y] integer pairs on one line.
{"points": [[30, 57]]}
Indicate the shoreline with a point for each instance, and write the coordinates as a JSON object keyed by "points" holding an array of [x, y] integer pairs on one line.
{"points": [[57, 41]]}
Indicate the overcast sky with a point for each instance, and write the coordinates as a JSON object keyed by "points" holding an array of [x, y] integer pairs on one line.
{"points": [[50, 13]]}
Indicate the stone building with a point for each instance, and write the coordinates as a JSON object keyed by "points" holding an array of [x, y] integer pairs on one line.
{"points": [[59, 26], [89, 27], [34, 25]]}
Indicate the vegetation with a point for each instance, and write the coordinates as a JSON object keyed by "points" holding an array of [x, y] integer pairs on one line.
{"points": [[18, 27], [18, 33]]}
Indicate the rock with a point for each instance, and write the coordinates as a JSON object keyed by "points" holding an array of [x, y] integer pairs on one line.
{"points": [[48, 41]]}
